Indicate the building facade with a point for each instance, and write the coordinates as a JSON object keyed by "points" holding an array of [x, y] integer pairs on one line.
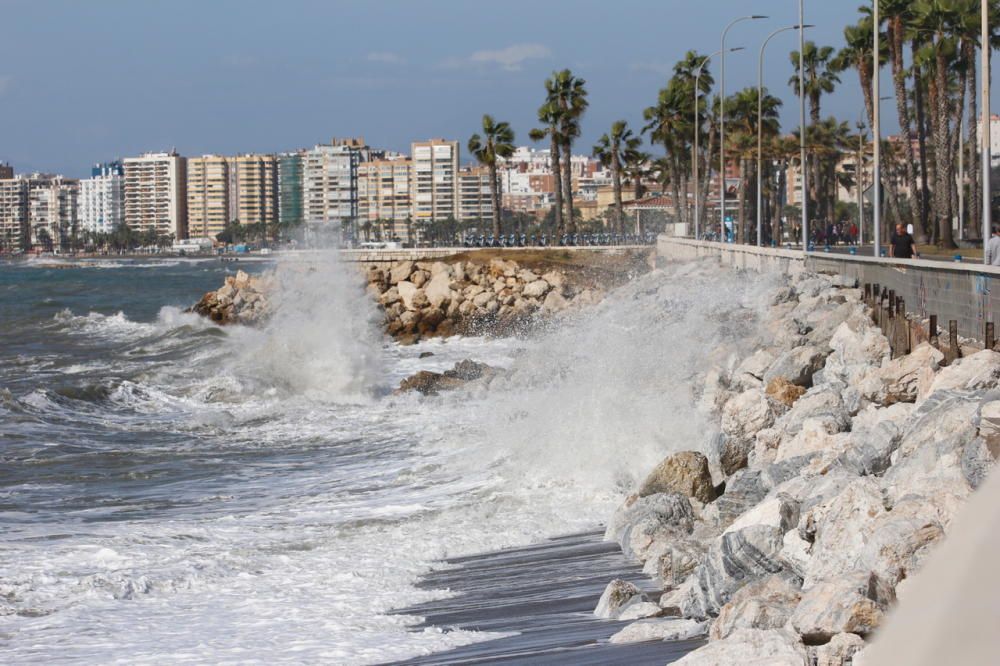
{"points": [[207, 195], [330, 183], [6, 171], [290, 212], [14, 227], [435, 180], [102, 198], [384, 200], [253, 191], [474, 202], [53, 211], [156, 194]]}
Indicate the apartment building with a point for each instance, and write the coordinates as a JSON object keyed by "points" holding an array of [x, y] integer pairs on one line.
{"points": [[253, 190], [384, 196], [14, 228], [102, 198], [53, 210], [474, 202], [207, 195], [435, 172], [330, 182], [6, 171], [290, 212], [156, 193]]}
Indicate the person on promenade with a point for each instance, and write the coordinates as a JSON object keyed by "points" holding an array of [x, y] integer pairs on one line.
{"points": [[993, 247], [901, 245]]}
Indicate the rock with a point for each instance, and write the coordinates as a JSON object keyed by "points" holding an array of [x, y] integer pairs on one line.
{"points": [[686, 473], [641, 522], [742, 417], [901, 377], [840, 529], [853, 603], [418, 300], [875, 435], [767, 603], [637, 609], [839, 651], [535, 289], [784, 392], [796, 365], [674, 559], [659, 630], [554, 302], [779, 511], [744, 489], [751, 647], [858, 342], [419, 278], [406, 291], [750, 373], [430, 383], [616, 596], [480, 300], [733, 560], [822, 403], [439, 267], [978, 458], [438, 290], [814, 438], [390, 296], [400, 272], [979, 371], [426, 354]]}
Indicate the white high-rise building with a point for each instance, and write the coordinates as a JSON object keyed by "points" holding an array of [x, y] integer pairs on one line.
{"points": [[330, 182], [53, 210], [156, 194], [102, 198], [13, 213], [435, 180]]}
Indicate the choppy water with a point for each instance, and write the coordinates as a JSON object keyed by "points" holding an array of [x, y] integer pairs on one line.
{"points": [[172, 491]]}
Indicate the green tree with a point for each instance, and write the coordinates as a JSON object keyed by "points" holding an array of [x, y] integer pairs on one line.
{"points": [[497, 142], [549, 115], [616, 149], [570, 97]]}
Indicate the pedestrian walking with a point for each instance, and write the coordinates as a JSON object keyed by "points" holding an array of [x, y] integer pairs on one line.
{"points": [[901, 245], [993, 247]]}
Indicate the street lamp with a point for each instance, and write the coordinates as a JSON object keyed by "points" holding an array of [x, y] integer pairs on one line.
{"points": [[722, 118], [803, 171], [876, 135], [984, 52], [697, 134], [760, 129]]}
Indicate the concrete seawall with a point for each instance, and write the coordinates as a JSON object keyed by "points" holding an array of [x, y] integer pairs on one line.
{"points": [[424, 254], [952, 291]]}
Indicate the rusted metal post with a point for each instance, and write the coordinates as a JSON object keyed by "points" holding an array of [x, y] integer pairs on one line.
{"points": [[953, 352], [990, 338], [932, 331]]}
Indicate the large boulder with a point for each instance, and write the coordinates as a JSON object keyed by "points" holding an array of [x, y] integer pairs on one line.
{"points": [[779, 511], [840, 651], [767, 603], [751, 647], [822, 403], [742, 418], [750, 373], [853, 603], [796, 365], [617, 596], [400, 272], [438, 290], [671, 629], [643, 521], [535, 289], [898, 380], [406, 291], [784, 392], [686, 472], [672, 560], [976, 372], [733, 560]]}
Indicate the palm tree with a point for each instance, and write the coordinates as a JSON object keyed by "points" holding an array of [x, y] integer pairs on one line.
{"points": [[614, 150], [742, 112], [549, 115], [497, 142], [570, 96], [669, 123]]}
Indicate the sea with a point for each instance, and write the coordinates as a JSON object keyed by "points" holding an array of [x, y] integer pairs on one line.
{"points": [[176, 492]]}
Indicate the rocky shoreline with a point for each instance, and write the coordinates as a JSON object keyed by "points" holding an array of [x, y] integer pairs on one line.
{"points": [[420, 300], [836, 469]]}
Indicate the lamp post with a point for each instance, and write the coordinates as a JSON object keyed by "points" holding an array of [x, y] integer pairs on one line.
{"points": [[876, 136], [984, 53], [722, 118], [760, 129], [697, 135], [803, 171]]}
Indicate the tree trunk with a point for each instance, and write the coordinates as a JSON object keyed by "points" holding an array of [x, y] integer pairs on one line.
{"points": [[742, 204], [923, 196], [568, 187], [557, 177], [495, 199], [903, 112], [675, 185], [975, 185], [942, 145], [616, 179]]}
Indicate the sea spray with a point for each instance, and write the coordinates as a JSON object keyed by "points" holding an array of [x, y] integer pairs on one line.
{"points": [[322, 338]]}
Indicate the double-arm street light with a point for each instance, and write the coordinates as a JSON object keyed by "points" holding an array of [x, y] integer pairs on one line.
{"points": [[722, 117], [697, 138], [876, 133], [803, 171], [760, 129]]}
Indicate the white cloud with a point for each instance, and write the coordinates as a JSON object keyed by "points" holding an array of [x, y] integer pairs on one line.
{"points": [[509, 59], [5, 82], [386, 57]]}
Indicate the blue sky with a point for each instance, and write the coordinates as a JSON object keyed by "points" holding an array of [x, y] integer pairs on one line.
{"points": [[87, 81]]}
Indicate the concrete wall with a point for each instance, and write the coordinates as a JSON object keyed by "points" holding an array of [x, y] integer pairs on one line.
{"points": [[960, 291]]}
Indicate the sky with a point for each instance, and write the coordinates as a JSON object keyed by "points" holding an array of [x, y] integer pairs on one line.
{"points": [[88, 81]]}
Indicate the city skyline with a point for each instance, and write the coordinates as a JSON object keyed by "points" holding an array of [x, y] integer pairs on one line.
{"points": [[400, 73]]}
